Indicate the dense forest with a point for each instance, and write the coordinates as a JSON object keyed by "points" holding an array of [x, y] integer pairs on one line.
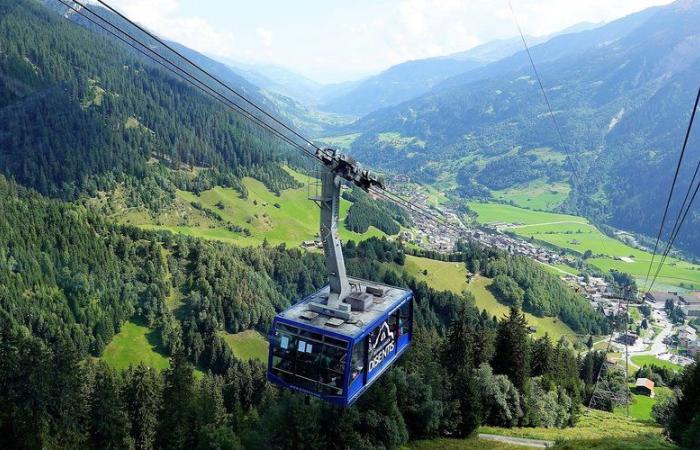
{"points": [[69, 280], [365, 212]]}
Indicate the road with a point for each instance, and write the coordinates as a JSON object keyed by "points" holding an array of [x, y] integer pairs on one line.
{"points": [[523, 442], [657, 348]]}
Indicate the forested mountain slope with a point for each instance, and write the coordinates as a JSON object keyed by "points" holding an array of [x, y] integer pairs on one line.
{"points": [[80, 113], [622, 94]]}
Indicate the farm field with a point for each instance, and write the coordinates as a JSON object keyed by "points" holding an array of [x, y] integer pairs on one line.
{"points": [[649, 360], [290, 218], [577, 235], [536, 195], [595, 430], [452, 276], [135, 343], [248, 344]]}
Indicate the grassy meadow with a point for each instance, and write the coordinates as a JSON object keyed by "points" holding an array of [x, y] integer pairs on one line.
{"points": [[648, 360], [452, 276], [595, 430], [248, 344], [577, 234], [135, 343], [289, 218], [535, 195]]}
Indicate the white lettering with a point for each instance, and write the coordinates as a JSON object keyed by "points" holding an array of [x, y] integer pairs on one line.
{"points": [[381, 355]]}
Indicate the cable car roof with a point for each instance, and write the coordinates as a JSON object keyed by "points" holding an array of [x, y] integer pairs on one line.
{"points": [[377, 305]]}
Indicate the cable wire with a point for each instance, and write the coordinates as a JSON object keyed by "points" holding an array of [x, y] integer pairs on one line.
{"points": [[206, 72], [685, 206], [544, 94], [199, 84], [673, 184], [187, 77]]}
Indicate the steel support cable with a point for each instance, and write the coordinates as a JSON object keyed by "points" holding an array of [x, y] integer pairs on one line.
{"points": [[673, 184], [194, 81], [412, 207], [546, 98], [207, 73], [395, 198], [187, 77], [675, 235], [686, 205]]}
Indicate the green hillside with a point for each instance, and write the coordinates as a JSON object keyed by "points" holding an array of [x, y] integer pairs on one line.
{"points": [[442, 275], [288, 218], [596, 430]]}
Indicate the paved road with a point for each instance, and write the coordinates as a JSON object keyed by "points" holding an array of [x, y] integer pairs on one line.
{"points": [[531, 443]]}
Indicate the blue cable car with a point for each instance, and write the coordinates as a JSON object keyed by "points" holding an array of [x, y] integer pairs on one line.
{"points": [[336, 359], [336, 343]]}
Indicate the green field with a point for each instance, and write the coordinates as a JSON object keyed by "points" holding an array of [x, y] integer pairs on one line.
{"points": [[595, 430], [294, 220], [578, 235], [640, 408], [247, 344], [452, 276], [135, 343], [649, 360], [538, 194]]}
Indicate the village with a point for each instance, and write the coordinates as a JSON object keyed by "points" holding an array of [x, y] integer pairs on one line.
{"points": [[653, 334]]}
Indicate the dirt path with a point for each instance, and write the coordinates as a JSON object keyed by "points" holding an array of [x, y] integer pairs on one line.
{"points": [[523, 442]]}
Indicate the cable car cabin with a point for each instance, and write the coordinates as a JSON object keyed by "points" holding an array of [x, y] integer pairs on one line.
{"points": [[338, 359]]}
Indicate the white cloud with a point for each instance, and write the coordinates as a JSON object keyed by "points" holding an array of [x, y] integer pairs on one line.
{"points": [[348, 39], [265, 36], [165, 18]]}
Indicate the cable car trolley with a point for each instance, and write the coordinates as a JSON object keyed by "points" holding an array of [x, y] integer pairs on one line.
{"points": [[336, 343]]}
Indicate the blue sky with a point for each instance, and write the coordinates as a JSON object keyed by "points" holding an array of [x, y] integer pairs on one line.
{"points": [[331, 41]]}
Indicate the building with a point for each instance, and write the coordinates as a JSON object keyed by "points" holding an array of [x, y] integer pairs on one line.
{"points": [[686, 335], [691, 310], [661, 297], [628, 338], [694, 349], [644, 386]]}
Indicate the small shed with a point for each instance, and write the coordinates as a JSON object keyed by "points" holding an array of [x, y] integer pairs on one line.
{"points": [[644, 386]]}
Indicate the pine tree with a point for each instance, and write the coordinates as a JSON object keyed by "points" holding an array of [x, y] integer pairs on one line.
{"points": [[512, 349], [142, 399], [109, 423], [176, 418]]}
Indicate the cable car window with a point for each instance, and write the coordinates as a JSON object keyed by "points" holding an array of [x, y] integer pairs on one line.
{"points": [[405, 318], [336, 342], [309, 334], [394, 321], [308, 359], [287, 328], [332, 367], [357, 364], [284, 344]]}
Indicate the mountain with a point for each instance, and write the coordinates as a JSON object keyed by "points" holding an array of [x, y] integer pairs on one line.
{"points": [[290, 84], [621, 94], [412, 79], [81, 114]]}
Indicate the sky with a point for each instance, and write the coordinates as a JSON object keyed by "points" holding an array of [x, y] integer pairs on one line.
{"points": [[339, 40]]}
